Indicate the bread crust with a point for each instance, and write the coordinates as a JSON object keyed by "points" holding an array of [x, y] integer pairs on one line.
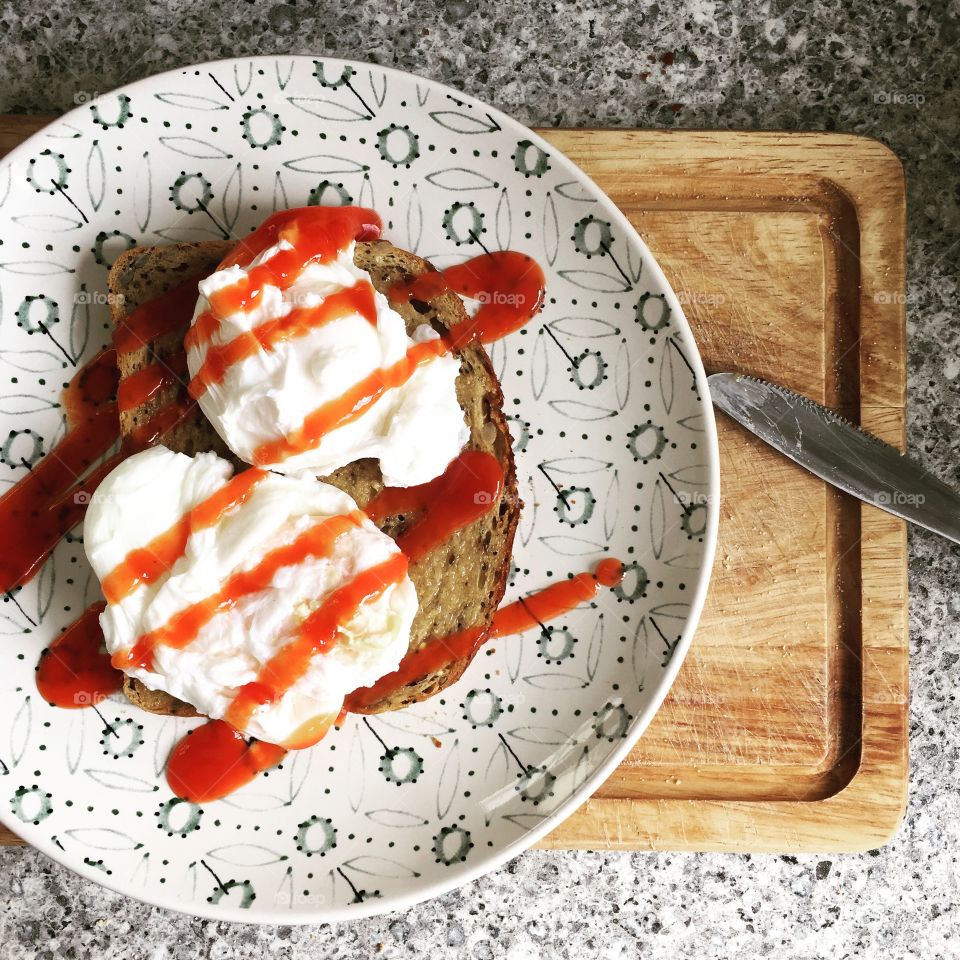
{"points": [[459, 584]]}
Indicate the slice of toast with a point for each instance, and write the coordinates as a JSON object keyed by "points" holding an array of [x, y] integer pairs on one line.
{"points": [[459, 584]]}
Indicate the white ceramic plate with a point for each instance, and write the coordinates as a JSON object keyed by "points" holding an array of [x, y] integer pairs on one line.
{"points": [[616, 455]]}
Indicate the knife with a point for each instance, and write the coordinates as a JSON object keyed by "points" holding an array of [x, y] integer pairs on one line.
{"points": [[839, 452]]}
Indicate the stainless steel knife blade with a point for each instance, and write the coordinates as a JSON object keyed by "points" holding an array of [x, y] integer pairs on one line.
{"points": [[839, 452]]}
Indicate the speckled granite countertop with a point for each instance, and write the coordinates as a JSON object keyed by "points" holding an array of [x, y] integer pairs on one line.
{"points": [[886, 70]]}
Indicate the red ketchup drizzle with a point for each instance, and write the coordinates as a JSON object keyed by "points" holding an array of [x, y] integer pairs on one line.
{"points": [[548, 604], [144, 385], [318, 634], [298, 323], [148, 563], [555, 600], [510, 285], [161, 423], [49, 501], [213, 760], [168, 313], [465, 491], [182, 628], [75, 671], [350, 405], [316, 235], [164, 315]]}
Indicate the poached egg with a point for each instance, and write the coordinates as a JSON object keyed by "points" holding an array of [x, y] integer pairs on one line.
{"points": [[129, 524]]}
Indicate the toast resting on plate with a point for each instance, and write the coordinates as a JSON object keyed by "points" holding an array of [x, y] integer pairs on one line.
{"points": [[460, 583]]}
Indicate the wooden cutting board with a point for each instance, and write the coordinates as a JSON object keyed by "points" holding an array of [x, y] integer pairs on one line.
{"points": [[786, 729]]}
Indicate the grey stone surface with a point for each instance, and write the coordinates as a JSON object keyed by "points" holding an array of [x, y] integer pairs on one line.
{"points": [[888, 70]]}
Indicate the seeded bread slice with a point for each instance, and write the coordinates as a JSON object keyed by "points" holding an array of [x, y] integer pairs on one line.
{"points": [[461, 583]]}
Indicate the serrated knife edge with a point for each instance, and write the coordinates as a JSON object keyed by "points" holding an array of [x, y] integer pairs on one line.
{"points": [[839, 452]]}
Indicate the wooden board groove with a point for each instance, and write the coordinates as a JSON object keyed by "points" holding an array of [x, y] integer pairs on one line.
{"points": [[787, 727]]}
